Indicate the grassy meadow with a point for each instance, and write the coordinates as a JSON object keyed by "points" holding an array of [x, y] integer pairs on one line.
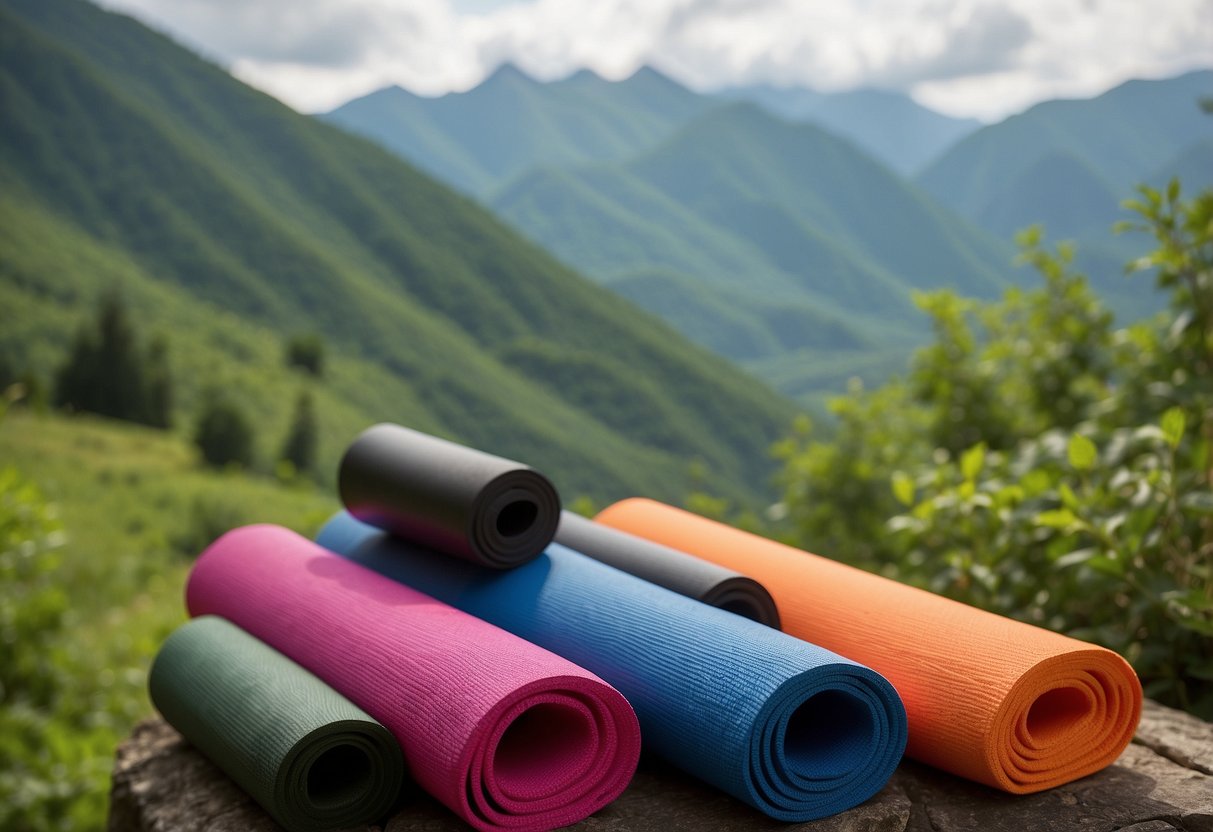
{"points": [[132, 507]]}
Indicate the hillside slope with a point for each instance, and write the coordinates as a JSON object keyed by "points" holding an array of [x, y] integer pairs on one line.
{"points": [[776, 244], [231, 221], [1122, 136]]}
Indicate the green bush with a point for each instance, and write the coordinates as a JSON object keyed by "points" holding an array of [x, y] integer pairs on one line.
{"points": [[1041, 463], [224, 434]]}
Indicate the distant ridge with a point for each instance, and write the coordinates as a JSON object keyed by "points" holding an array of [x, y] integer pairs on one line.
{"points": [[510, 123], [889, 125]]}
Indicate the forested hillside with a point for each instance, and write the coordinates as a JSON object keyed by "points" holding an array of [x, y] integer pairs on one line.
{"points": [[230, 223]]}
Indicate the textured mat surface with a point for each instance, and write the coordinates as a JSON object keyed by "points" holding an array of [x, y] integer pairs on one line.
{"points": [[506, 734], [685, 574], [992, 699], [449, 497], [311, 757], [787, 727]]}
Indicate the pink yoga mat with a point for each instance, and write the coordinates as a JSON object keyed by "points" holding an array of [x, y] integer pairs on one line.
{"points": [[506, 734]]}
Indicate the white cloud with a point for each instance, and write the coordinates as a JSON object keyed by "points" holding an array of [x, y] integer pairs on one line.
{"points": [[984, 58]]}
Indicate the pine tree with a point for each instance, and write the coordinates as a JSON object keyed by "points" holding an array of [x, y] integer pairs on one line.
{"points": [[106, 373], [158, 395], [300, 446]]}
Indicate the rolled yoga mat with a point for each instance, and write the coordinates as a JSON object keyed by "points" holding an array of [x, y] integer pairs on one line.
{"points": [[313, 759], [677, 571], [789, 728], [506, 734], [448, 497], [989, 698]]}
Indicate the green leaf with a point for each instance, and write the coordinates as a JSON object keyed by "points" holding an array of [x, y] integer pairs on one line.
{"points": [[903, 488], [972, 460], [1061, 518], [1076, 557], [1172, 424], [1068, 498], [1082, 452]]}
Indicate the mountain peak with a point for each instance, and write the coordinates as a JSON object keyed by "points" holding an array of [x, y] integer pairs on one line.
{"points": [[585, 75], [648, 75], [507, 72]]}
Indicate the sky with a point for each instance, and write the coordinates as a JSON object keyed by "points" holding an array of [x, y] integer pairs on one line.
{"points": [[983, 59]]}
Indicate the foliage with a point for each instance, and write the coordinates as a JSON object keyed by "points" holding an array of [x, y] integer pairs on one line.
{"points": [[307, 353], [300, 447], [1044, 464], [224, 433], [107, 373], [32, 606], [101, 505]]}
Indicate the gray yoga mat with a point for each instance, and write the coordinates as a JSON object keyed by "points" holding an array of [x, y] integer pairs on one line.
{"points": [[677, 571], [448, 497]]}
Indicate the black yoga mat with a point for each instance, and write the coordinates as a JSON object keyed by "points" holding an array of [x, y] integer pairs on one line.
{"points": [[308, 755], [685, 574], [448, 497]]}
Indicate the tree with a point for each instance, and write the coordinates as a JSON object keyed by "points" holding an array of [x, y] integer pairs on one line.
{"points": [[158, 396], [307, 353], [106, 373], [300, 446], [224, 433]]}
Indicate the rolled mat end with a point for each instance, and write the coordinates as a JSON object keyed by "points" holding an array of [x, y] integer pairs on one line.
{"points": [[448, 497], [504, 733], [990, 698], [1069, 716]]}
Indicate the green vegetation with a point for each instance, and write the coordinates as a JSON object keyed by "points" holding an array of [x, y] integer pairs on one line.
{"points": [[94, 519], [107, 373], [1041, 462], [224, 434], [307, 353], [232, 224], [299, 450]]}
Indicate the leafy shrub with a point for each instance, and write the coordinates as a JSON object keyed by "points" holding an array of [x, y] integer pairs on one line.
{"points": [[224, 434], [307, 353], [1043, 464]]}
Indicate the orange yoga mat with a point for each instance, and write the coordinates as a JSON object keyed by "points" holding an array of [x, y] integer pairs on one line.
{"points": [[989, 698]]}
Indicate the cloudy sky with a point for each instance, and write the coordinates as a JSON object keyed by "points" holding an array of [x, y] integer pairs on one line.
{"points": [[979, 58]]}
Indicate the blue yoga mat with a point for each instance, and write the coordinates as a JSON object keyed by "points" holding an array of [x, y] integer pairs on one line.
{"points": [[790, 728]]}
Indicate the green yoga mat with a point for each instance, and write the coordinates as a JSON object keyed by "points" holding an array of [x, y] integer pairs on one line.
{"points": [[308, 755]]}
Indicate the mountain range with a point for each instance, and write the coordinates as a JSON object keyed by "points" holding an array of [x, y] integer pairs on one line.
{"points": [[778, 244], [230, 222], [784, 228]]}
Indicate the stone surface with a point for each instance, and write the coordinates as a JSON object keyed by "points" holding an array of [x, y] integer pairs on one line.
{"points": [[1162, 783]]}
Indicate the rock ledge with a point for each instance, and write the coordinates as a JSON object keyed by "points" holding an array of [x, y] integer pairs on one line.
{"points": [[1163, 782]]}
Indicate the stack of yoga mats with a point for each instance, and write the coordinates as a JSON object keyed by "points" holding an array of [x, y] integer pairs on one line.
{"points": [[437, 628], [506, 734], [787, 727], [989, 698]]}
